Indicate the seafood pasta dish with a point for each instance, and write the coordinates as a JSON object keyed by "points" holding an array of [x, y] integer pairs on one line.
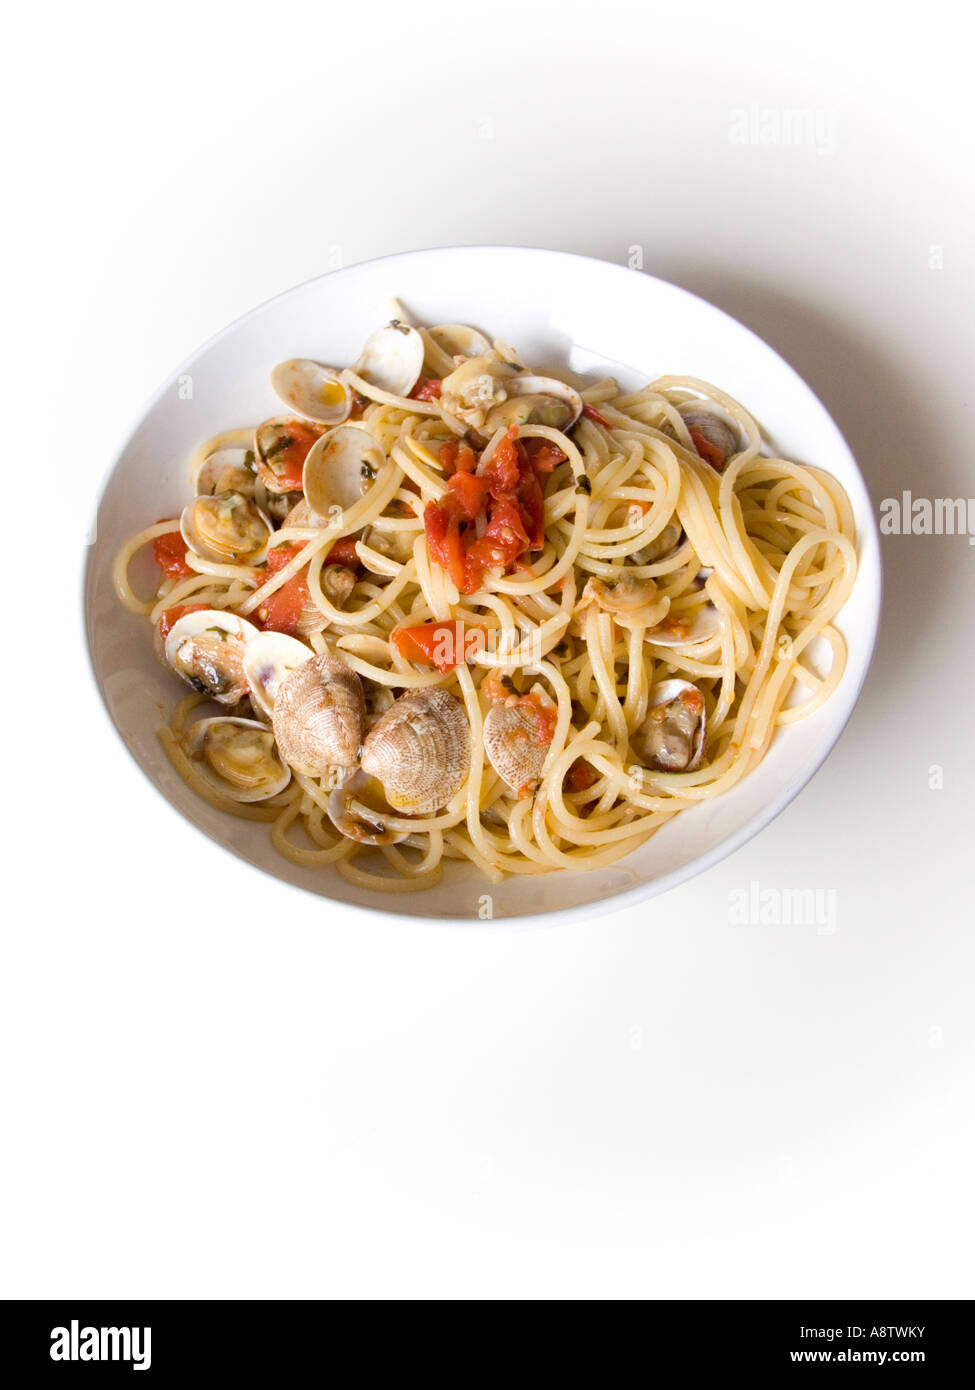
{"points": [[449, 605]]}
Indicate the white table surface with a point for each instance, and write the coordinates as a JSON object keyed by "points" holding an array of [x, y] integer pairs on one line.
{"points": [[265, 1098]]}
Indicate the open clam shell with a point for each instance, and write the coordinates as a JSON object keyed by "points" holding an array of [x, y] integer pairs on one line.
{"points": [[311, 390], [281, 446], [667, 543], [237, 757], [459, 339], [536, 400], [673, 736], [268, 659], [714, 424], [352, 815], [690, 631], [340, 467], [206, 650], [392, 358], [226, 527], [449, 344], [231, 469]]}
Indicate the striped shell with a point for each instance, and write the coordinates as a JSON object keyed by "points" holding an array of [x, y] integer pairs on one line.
{"points": [[318, 716], [512, 747], [420, 750]]}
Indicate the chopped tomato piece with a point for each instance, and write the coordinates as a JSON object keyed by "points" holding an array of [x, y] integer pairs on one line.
{"points": [[171, 616], [581, 776], [281, 610], [708, 451], [506, 490], [503, 469], [543, 455], [444, 542], [591, 413], [456, 457], [532, 505], [546, 717], [170, 552], [343, 552], [280, 555], [426, 389], [504, 539], [444, 645], [467, 494]]}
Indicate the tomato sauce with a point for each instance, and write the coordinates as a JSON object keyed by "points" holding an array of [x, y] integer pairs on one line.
{"points": [[170, 554]]}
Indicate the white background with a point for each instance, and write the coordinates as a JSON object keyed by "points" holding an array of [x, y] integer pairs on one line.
{"points": [[211, 1088]]}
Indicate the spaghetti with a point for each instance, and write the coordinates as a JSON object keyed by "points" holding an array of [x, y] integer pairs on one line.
{"points": [[450, 608]]}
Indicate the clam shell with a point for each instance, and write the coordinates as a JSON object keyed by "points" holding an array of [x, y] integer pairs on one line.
{"points": [[512, 748], [625, 593], [226, 527], [669, 540], [540, 400], [713, 424], [475, 388], [311, 390], [319, 715], [395, 545], [302, 516], [459, 340], [339, 469], [665, 694], [206, 649], [227, 470], [420, 750], [705, 625], [281, 446], [280, 505], [268, 658], [244, 768], [451, 343], [392, 358], [355, 819], [338, 581]]}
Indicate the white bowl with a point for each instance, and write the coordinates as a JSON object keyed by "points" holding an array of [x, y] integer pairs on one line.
{"points": [[551, 306]]}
